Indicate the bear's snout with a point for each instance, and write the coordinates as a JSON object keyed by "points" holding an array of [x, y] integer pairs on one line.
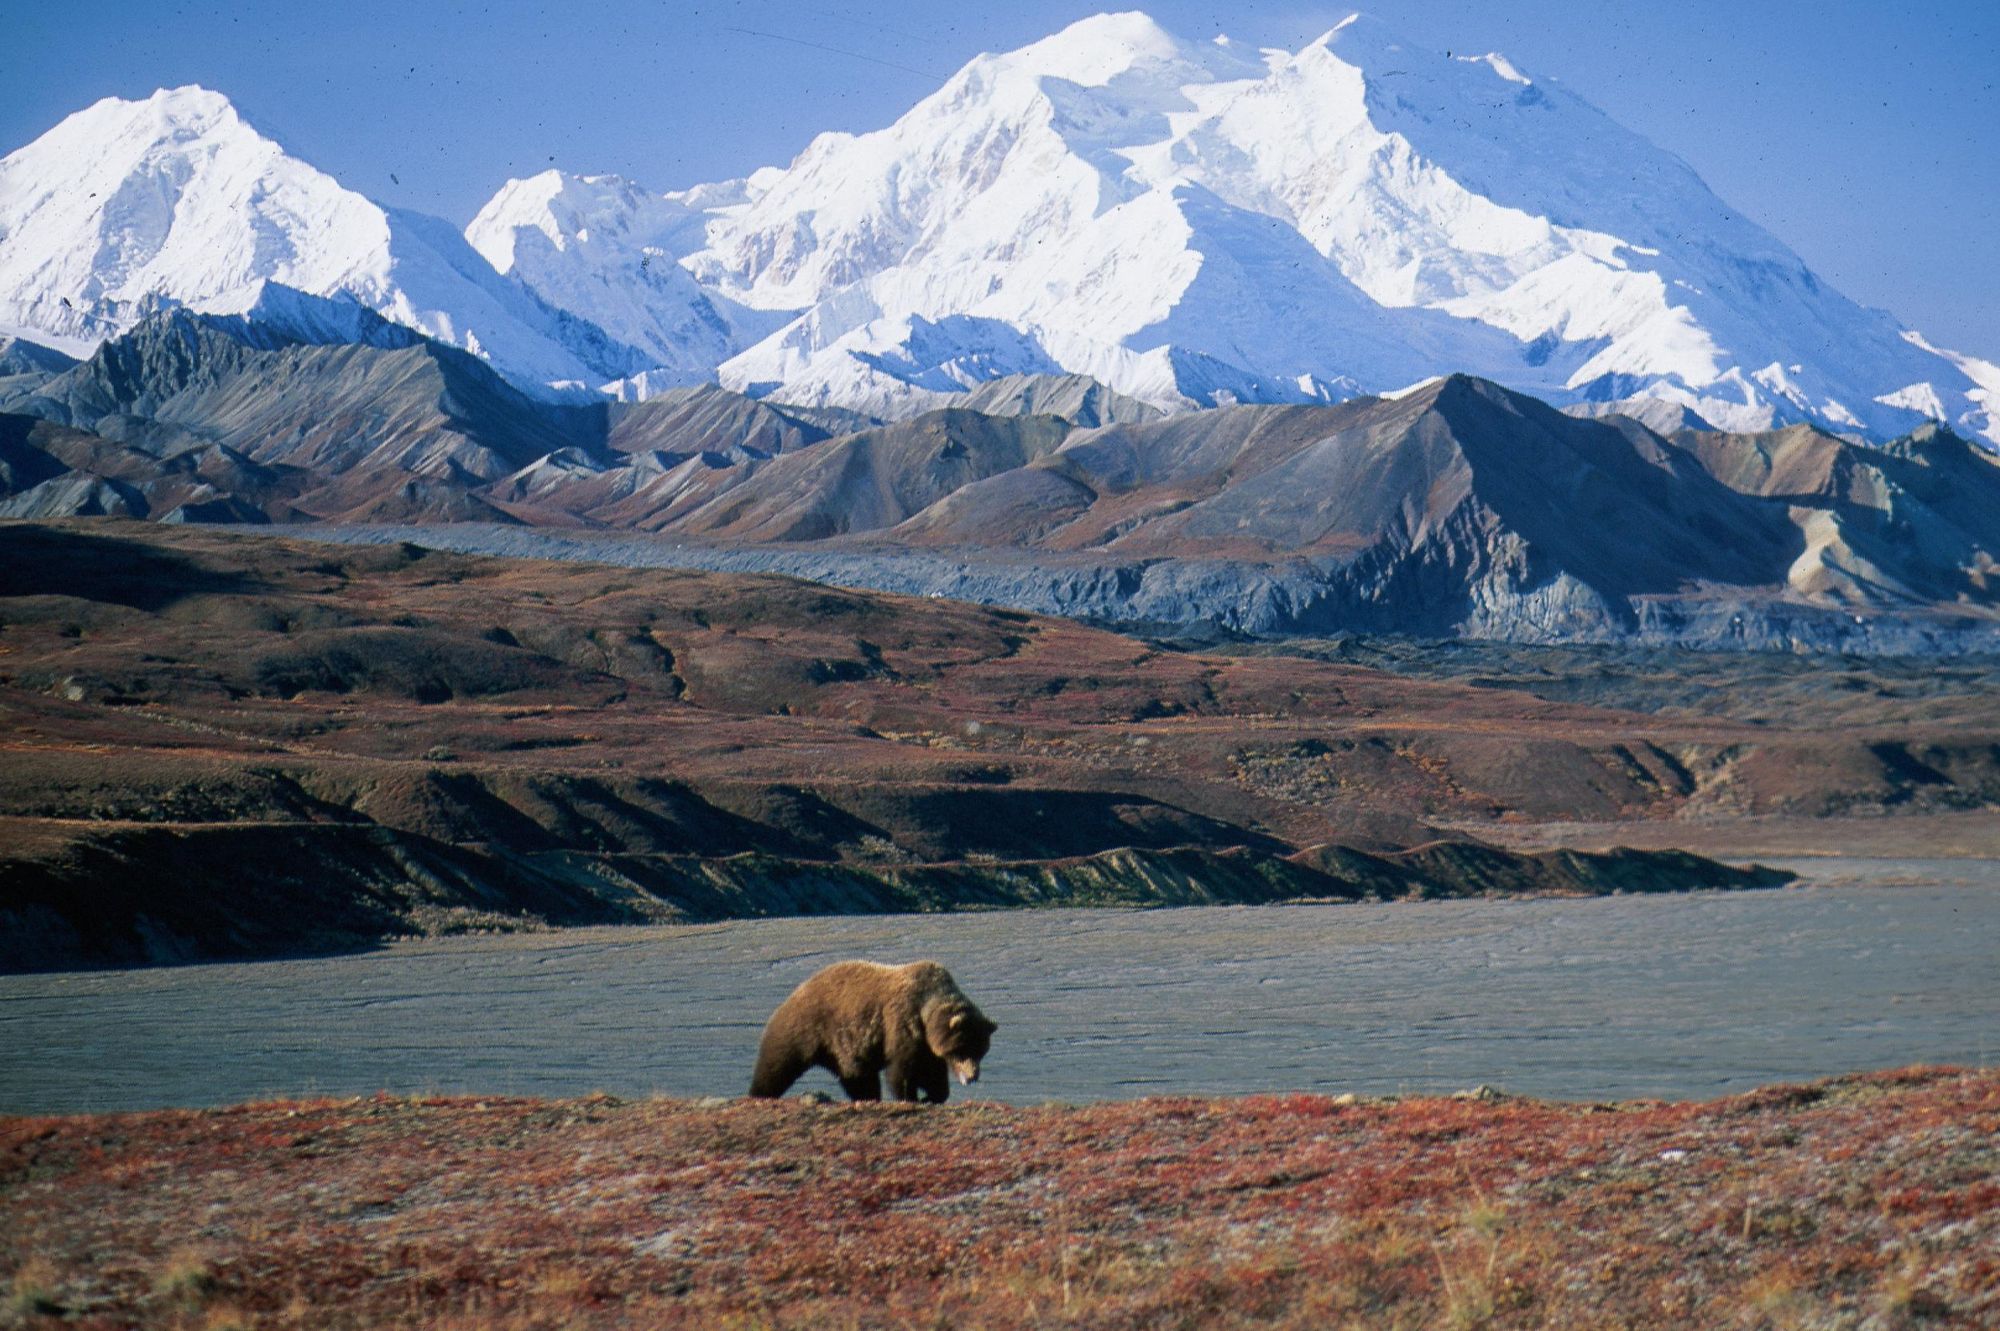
{"points": [[966, 1070]]}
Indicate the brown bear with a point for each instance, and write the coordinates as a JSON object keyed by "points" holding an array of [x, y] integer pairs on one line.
{"points": [[856, 1018]]}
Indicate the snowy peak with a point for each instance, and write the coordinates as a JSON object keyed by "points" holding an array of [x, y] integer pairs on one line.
{"points": [[1094, 51], [186, 114], [1343, 218], [171, 196], [566, 211], [130, 206], [523, 205], [605, 251]]}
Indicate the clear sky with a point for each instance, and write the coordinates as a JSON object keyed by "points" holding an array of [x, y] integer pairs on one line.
{"points": [[1864, 133]]}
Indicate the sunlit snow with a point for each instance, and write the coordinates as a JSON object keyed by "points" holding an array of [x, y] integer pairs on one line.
{"points": [[1188, 222]]}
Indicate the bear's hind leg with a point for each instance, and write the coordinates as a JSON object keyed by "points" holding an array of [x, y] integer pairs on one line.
{"points": [[862, 1086]]}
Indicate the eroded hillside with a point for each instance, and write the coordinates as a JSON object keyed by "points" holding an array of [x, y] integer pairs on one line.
{"points": [[468, 742]]}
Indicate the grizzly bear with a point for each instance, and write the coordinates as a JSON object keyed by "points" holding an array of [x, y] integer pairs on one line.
{"points": [[857, 1018]]}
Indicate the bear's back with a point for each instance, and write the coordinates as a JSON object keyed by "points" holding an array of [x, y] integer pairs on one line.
{"points": [[916, 977]]}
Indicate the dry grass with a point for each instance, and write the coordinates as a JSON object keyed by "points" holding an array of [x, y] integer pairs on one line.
{"points": [[185, 1279], [1869, 1202]]}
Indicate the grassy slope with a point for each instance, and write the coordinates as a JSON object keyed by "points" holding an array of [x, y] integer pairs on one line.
{"points": [[1868, 1201]]}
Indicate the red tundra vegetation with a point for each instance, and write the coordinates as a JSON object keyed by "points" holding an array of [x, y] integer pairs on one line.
{"points": [[1869, 1201]]}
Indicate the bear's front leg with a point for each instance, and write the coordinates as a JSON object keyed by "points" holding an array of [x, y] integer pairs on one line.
{"points": [[862, 1086], [920, 1078]]}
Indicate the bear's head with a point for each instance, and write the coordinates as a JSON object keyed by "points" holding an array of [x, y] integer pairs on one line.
{"points": [[960, 1035]]}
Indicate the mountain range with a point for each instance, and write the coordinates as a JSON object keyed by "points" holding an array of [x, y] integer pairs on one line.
{"points": [[1457, 507], [1185, 224]]}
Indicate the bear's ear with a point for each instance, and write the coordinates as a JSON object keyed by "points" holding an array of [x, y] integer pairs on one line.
{"points": [[957, 1019]]}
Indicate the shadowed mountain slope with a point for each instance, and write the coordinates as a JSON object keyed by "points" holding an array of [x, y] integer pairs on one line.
{"points": [[1464, 507], [1459, 474], [392, 428], [1911, 522], [875, 479], [715, 419], [1077, 398], [26, 366], [356, 420]]}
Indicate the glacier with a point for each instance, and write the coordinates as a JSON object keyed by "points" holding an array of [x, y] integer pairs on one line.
{"points": [[1191, 224]]}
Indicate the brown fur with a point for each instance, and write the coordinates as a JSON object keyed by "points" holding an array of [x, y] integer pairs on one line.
{"points": [[858, 1019]]}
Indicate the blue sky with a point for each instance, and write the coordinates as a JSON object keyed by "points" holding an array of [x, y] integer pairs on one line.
{"points": [[1865, 135]]}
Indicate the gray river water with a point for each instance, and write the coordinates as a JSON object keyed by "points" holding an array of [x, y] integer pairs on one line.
{"points": [[1882, 963]]}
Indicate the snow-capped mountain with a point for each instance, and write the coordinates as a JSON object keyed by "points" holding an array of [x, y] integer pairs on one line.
{"points": [[1192, 221], [1190, 224], [176, 200], [606, 251]]}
